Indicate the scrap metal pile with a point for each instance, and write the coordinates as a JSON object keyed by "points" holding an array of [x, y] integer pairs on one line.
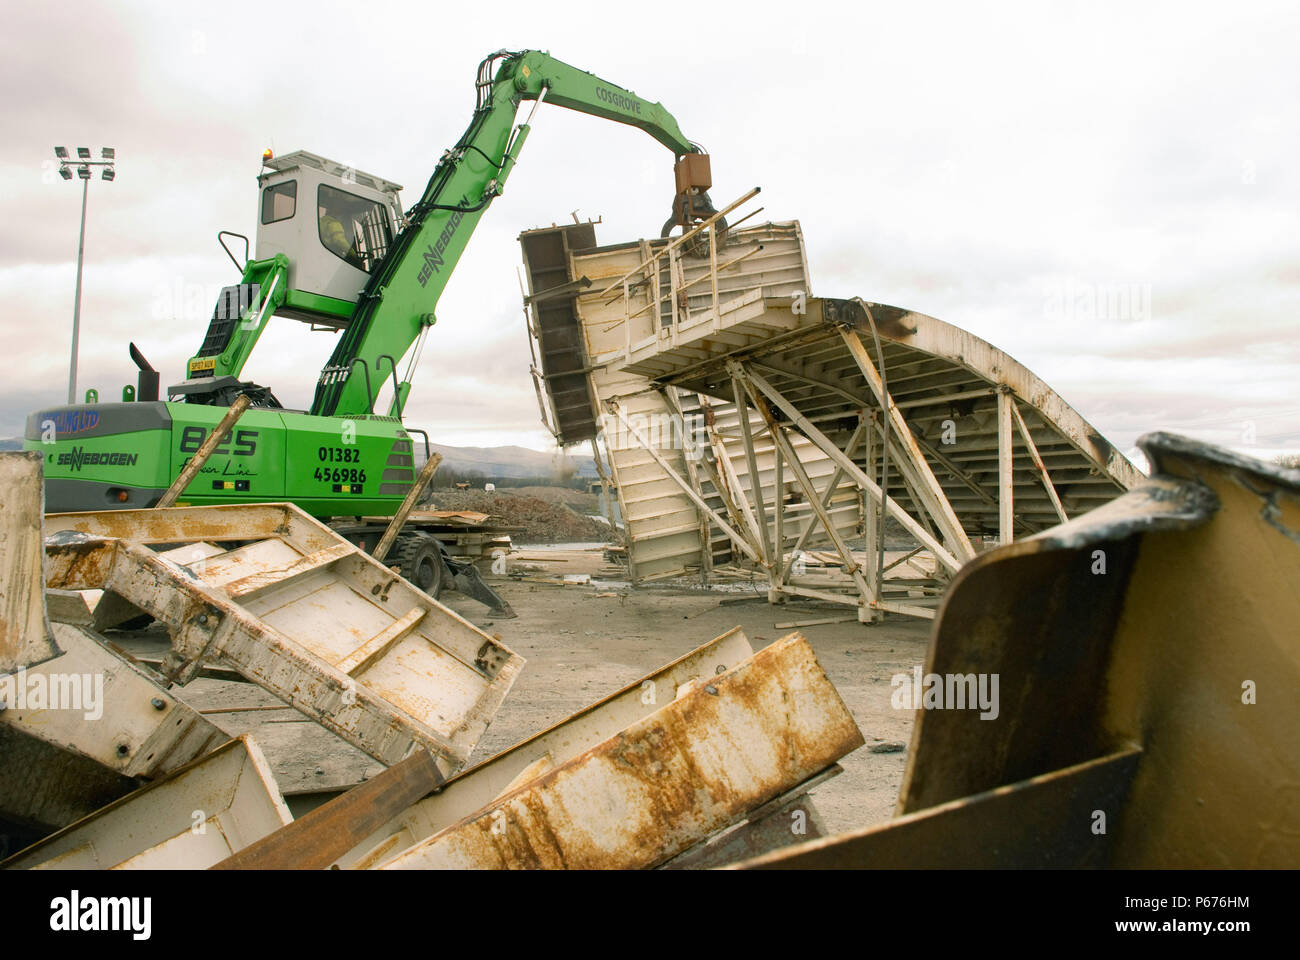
{"points": [[1147, 656], [104, 763]]}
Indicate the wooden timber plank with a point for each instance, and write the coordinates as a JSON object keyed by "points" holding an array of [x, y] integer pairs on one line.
{"points": [[319, 837]]}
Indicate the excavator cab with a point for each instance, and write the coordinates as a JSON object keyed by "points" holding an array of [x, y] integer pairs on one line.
{"points": [[333, 223], [322, 229]]}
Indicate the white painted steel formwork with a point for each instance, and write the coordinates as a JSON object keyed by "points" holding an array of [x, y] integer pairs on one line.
{"points": [[669, 534], [977, 447]]}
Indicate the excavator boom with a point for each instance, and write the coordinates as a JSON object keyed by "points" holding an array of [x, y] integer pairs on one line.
{"points": [[325, 232], [399, 302]]}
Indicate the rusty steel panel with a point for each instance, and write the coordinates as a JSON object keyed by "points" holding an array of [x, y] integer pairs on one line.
{"points": [[1042, 822], [471, 789], [724, 746], [194, 525], [306, 615]]}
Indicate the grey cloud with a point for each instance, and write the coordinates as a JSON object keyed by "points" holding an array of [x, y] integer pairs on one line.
{"points": [[1022, 147]]}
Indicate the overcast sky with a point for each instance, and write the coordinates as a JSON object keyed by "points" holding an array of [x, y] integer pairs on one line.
{"points": [[1109, 194]]}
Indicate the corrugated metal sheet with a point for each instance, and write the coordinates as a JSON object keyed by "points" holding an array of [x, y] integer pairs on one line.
{"points": [[472, 789]]}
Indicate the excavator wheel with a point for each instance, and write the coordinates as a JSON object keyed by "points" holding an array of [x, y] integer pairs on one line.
{"points": [[419, 556]]}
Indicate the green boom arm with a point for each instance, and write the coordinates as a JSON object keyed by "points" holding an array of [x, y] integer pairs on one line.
{"points": [[398, 302]]}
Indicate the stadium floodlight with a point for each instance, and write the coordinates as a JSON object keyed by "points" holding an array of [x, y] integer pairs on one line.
{"points": [[108, 158]]}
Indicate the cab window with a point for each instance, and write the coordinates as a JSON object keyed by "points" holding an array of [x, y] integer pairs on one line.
{"points": [[279, 201], [352, 228]]}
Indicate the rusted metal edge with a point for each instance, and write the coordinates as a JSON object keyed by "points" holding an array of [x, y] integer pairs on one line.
{"points": [[1159, 503], [1162, 448], [470, 790], [220, 522], [1046, 821]]}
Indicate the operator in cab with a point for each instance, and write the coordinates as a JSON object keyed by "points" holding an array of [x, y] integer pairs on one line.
{"points": [[337, 238], [334, 236]]}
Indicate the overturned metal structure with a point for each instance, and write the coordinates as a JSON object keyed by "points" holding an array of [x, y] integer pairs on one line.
{"points": [[737, 410], [1149, 664], [272, 593]]}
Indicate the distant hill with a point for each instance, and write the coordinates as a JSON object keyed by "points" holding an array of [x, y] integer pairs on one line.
{"points": [[514, 462]]}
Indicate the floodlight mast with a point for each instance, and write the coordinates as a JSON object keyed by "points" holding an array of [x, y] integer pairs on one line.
{"points": [[84, 163]]}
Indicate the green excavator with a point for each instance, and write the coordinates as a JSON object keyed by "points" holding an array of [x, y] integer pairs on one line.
{"points": [[334, 250]]}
